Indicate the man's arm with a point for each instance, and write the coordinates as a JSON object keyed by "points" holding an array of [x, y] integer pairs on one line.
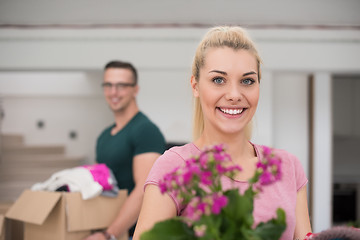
{"points": [[129, 211]]}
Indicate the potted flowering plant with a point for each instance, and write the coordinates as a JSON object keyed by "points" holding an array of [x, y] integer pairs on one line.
{"points": [[215, 213]]}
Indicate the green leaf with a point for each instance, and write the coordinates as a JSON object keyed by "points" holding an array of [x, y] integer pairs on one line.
{"points": [[249, 234], [281, 216], [240, 207], [274, 228], [171, 229], [213, 226], [228, 232]]}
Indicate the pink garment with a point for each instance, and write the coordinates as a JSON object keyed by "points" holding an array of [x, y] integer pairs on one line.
{"points": [[100, 174], [281, 194]]}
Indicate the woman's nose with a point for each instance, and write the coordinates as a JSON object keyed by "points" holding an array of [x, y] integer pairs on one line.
{"points": [[234, 93]]}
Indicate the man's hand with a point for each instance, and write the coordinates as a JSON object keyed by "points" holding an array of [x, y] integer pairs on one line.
{"points": [[96, 236]]}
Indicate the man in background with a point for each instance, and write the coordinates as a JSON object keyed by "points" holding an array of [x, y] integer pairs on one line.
{"points": [[129, 147]]}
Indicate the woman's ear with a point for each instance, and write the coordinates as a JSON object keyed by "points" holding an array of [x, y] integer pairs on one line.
{"points": [[195, 86]]}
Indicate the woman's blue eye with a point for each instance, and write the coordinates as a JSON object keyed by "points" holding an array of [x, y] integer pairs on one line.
{"points": [[218, 80], [248, 81]]}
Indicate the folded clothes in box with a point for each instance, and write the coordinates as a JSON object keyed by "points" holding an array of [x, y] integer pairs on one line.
{"points": [[89, 180]]}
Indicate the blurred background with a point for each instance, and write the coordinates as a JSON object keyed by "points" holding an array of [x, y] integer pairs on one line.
{"points": [[52, 109]]}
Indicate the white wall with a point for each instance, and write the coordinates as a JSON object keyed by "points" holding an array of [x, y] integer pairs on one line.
{"points": [[172, 48], [165, 96], [64, 101], [263, 120], [291, 116]]}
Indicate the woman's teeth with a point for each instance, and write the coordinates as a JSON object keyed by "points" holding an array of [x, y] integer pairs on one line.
{"points": [[232, 111]]}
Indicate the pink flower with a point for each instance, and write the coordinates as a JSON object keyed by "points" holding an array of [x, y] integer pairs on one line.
{"points": [[200, 230], [194, 168], [274, 162], [190, 213], [222, 157], [275, 165], [202, 207], [187, 177], [205, 178], [218, 203], [203, 159], [269, 168], [265, 178], [219, 157], [278, 174], [192, 210], [178, 180], [260, 165], [266, 151], [197, 184], [219, 148], [234, 168], [220, 168], [163, 187]]}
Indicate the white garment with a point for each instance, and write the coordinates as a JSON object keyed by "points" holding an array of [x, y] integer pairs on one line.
{"points": [[78, 179]]}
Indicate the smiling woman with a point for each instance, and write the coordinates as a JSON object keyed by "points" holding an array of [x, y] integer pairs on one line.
{"points": [[225, 84], [228, 90]]}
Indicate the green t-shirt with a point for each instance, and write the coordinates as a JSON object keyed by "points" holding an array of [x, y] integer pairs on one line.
{"points": [[140, 135]]}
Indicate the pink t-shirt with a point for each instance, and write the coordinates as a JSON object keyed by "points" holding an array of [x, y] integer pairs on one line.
{"points": [[281, 194]]}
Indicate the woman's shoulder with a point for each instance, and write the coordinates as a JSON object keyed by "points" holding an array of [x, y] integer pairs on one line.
{"points": [[172, 158], [185, 151]]}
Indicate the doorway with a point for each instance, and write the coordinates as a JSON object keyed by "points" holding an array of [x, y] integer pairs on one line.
{"points": [[346, 143]]}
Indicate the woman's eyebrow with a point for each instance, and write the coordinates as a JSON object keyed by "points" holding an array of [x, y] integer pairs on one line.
{"points": [[224, 73], [218, 71], [249, 73]]}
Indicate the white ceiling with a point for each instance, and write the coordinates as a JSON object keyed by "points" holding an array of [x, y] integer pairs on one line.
{"points": [[185, 13]]}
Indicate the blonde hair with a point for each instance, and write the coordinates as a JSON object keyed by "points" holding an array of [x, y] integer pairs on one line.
{"points": [[217, 37]]}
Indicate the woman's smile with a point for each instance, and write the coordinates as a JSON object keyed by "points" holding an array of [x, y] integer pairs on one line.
{"points": [[231, 112]]}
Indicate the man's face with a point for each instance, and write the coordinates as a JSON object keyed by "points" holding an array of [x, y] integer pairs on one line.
{"points": [[119, 88]]}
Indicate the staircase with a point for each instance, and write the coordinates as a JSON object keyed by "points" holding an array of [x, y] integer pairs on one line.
{"points": [[21, 165]]}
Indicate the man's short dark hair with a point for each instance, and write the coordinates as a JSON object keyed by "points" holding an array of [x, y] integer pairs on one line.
{"points": [[125, 65]]}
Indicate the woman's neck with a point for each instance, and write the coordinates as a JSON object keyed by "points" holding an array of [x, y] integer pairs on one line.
{"points": [[238, 146]]}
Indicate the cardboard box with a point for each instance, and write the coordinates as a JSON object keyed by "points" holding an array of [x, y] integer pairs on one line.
{"points": [[2, 227], [9, 229], [62, 215]]}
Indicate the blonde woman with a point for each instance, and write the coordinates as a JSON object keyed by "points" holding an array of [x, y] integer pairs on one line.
{"points": [[225, 84]]}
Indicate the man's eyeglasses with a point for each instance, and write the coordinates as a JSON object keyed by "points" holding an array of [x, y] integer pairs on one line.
{"points": [[118, 86]]}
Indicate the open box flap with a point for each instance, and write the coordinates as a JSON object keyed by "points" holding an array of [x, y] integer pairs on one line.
{"points": [[95, 213], [2, 224], [33, 206]]}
